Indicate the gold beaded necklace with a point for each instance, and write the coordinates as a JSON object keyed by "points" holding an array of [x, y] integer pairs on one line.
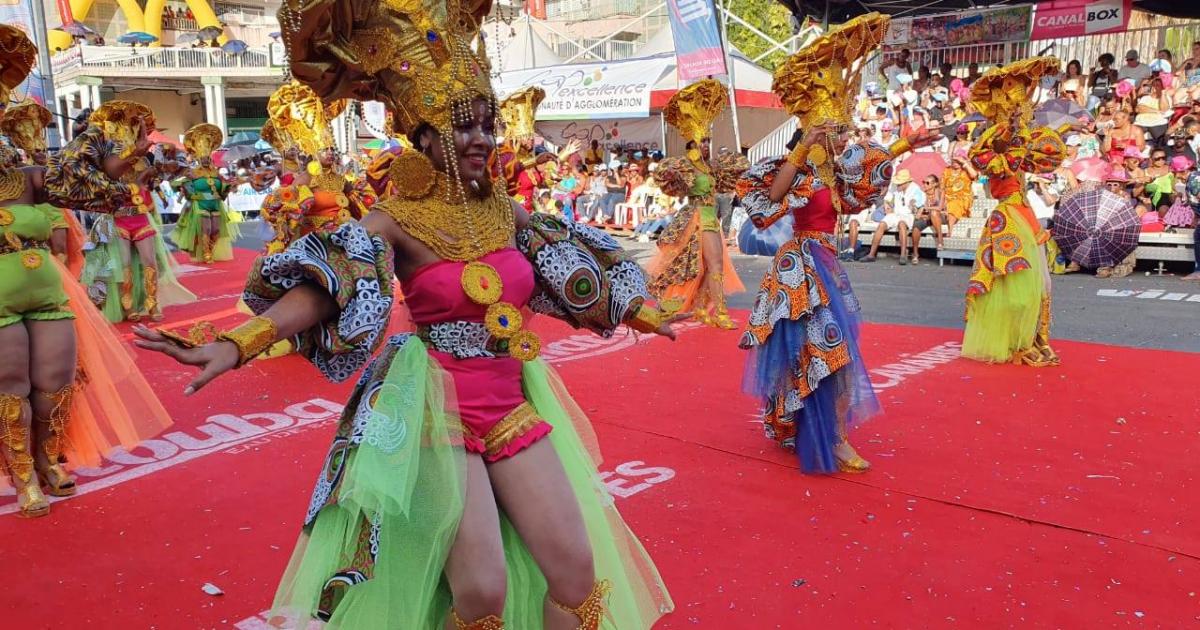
{"points": [[12, 184]]}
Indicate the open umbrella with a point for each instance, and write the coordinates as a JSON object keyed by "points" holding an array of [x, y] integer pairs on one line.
{"points": [[210, 32], [921, 164], [239, 152], [77, 29], [137, 37], [1091, 169], [1058, 112], [241, 137], [1096, 228], [187, 38], [235, 46]]}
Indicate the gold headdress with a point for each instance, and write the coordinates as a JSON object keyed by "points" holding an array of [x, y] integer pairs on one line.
{"points": [[519, 111], [815, 82], [24, 124], [118, 120], [201, 140], [1004, 91], [17, 56], [415, 56], [297, 111], [693, 109], [279, 140]]}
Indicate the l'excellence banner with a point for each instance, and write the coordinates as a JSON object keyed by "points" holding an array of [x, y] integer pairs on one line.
{"points": [[592, 90]]}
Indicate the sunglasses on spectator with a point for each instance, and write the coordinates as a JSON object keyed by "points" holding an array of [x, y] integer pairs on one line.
{"points": [[1159, 158], [1115, 185]]}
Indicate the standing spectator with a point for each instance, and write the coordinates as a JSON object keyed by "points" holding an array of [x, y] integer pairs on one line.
{"points": [[904, 199], [1103, 80], [1152, 109], [1189, 72], [594, 156], [1192, 190], [894, 68], [972, 73], [1133, 69], [928, 215]]}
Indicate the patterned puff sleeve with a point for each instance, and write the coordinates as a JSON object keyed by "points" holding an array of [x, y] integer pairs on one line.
{"points": [[864, 173], [356, 269], [76, 178], [584, 277], [754, 189]]}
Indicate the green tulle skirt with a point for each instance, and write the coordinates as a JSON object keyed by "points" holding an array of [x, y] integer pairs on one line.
{"points": [[389, 499], [1004, 321], [104, 269], [186, 234]]}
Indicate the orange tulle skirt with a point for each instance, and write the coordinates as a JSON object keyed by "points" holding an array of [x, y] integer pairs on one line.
{"points": [[676, 264], [114, 406], [76, 238]]}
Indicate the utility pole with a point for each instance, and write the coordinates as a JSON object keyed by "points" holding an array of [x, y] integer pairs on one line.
{"points": [[737, 131], [46, 71]]}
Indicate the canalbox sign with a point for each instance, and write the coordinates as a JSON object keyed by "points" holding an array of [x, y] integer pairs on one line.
{"points": [[593, 90], [1073, 18]]}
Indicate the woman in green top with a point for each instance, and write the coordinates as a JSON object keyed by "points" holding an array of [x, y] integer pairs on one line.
{"points": [[206, 230]]}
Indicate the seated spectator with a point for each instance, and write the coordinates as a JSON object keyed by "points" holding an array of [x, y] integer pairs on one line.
{"points": [[594, 156], [1102, 81], [1123, 137], [902, 202], [588, 204], [928, 215], [661, 213], [1179, 214], [631, 211], [1133, 69], [973, 73], [1152, 109]]}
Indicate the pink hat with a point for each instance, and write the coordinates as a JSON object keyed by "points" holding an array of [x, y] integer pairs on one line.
{"points": [[1180, 163], [1131, 152], [1117, 174], [1150, 218], [956, 85], [1124, 88], [1167, 79]]}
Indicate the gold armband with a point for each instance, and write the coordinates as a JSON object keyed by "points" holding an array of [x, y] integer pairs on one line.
{"points": [[900, 147], [647, 320], [252, 338], [798, 156]]}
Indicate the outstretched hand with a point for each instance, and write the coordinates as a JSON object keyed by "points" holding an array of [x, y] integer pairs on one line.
{"points": [[923, 138], [213, 359]]}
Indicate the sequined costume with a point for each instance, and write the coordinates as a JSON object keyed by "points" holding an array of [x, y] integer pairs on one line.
{"points": [[205, 191], [682, 274], [803, 334], [105, 403], [1008, 295], [389, 499]]}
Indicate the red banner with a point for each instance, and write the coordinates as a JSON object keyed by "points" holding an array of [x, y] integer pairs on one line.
{"points": [[1073, 18]]}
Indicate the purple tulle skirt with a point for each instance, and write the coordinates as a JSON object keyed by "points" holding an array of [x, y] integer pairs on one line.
{"points": [[838, 399]]}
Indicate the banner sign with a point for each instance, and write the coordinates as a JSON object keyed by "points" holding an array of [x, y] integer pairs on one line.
{"points": [[1073, 18], [635, 134], [593, 90], [964, 28], [697, 41]]}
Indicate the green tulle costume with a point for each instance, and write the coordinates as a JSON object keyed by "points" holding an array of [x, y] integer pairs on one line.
{"points": [[103, 271]]}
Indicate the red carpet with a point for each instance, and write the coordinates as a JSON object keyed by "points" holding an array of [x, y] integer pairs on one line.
{"points": [[1001, 496]]}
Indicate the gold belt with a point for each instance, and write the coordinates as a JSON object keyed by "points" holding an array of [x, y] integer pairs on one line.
{"points": [[11, 244]]}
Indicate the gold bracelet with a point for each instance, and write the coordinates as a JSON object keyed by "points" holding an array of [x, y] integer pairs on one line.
{"points": [[798, 156], [900, 147], [252, 338], [647, 320]]}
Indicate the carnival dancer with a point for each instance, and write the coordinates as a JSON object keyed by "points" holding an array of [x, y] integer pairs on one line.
{"points": [[25, 125], [206, 229], [45, 328], [805, 364], [521, 168], [692, 269], [1008, 295], [459, 493]]}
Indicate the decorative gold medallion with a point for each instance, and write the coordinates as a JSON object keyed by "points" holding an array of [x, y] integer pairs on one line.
{"points": [[503, 320], [524, 346], [31, 260], [6, 217], [481, 282], [817, 155]]}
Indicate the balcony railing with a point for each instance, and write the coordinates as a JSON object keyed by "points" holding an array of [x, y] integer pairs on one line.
{"points": [[122, 61]]}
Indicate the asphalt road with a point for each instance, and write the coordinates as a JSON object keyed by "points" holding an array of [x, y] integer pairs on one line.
{"points": [[1143, 311]]}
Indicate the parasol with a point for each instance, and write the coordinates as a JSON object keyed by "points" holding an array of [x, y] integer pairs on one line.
{"points": [[239, 152], [210, 32], [921, 164], [1096, 228], [137, 37], [1091, 169], [1058, 112], [77, 29], [187, 38], [235, 46]]}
